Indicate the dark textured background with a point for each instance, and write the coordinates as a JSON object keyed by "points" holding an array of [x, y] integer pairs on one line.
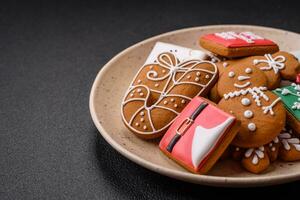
{"points": [[50, 53]]}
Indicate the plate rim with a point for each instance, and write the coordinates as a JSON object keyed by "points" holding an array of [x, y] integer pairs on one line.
{"points": [[184, 176]]}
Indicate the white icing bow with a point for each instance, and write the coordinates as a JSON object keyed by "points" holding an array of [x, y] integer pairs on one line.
{"points": [[276, 63]]}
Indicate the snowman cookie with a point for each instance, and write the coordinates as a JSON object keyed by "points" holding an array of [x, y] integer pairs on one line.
{"points": [[246, 96]]}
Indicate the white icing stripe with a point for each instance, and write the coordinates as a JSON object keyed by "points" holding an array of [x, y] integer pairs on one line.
{"points": [[205, 139], [166, 108], [269, 108], [243, 85], [150, 120], [133, 99], [134, 115], [242, 78]]}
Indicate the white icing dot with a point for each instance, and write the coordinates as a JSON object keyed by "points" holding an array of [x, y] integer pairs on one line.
{"points": [[151, 67], [197, 79], [155, 75], [251, 127], [145, 127], [163, 71], [165, 102], [172, 100], [139, 81], [246, 101], [231, 74], [139, 90], [142, 119], [237, 149], [142, 113], [141, 94], [248, 114], [248, 70], [207, 76], [231, 111], [183, 101], [137, 124], [131, 95], [255, 61], [270, 145], [198, 74], [273, 149], [156, 85], [188, 77], [175, 105], [225, 64]]}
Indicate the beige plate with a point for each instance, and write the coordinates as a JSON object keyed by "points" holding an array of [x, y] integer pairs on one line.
{"points": [[115, 77]]}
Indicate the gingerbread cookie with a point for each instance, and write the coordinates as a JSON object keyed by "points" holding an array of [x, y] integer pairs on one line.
{"points": [[232, 44], [290, 96], [164, 85], [246, 96], [273, 149], [199, 135], [256, 160], [290, 149]]}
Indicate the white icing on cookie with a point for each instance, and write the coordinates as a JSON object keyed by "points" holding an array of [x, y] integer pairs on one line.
{"points": [[287, 140], [242, 85], [242, 78], [257, 153], [276, 63], [245, 101], [248, 114], [231, 74], [205, 139], [251, 127], [248, 70]]}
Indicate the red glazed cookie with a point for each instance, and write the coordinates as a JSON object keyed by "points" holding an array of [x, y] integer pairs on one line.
{"points": [[199, 135], [245, 96], [232, 44], [163, 86]]}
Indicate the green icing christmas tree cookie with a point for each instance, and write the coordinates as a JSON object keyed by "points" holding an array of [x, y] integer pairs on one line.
{"points": [[290, 96]]}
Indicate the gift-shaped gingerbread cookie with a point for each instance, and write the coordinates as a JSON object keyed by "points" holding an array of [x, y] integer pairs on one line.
{"points": [[237, 44], [199, 135], [290, 96], [164, 85]]}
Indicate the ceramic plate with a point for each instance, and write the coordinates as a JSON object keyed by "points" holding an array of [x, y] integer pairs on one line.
{"points": [[115, 77]]}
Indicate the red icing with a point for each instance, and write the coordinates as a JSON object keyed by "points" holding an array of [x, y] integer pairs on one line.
{"points": [[238, 42], [298, 79], [210, 117]]}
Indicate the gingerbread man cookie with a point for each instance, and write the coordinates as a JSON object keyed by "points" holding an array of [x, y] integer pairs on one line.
{"points": [[163, 86], [233, 44], [245, 95]]}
